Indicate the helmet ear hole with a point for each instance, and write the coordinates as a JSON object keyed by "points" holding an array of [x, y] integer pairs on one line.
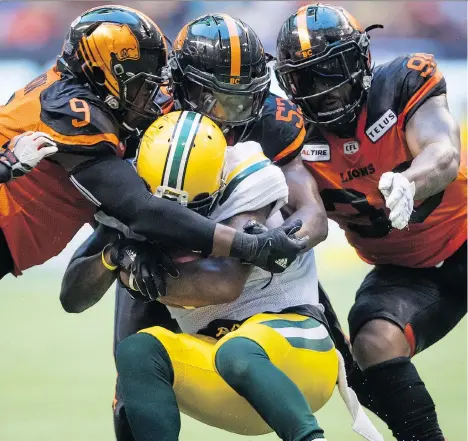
{"points": [[99, 75]]}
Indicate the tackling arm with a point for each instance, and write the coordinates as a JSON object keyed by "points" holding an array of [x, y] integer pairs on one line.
{"points": [[305, 203], [86, 279], [212, 280], [113, 185], [433, 138]]}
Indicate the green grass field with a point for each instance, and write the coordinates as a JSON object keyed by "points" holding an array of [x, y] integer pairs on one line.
{"points": [[57, 373]]}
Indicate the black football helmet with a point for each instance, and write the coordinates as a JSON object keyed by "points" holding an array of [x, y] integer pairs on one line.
{"points": [[219, 68], [121, 54], [324, 64]]}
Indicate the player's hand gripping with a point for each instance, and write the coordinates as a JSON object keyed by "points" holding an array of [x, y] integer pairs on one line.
{"points": [[25, 151], [146, 267], [399, 197], [273, 250]]}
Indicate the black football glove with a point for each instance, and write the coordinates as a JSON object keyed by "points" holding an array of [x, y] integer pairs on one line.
{"points": [[147, 267], [255, 227], [272, 250]]}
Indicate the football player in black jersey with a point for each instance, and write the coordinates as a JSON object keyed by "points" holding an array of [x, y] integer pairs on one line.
{"points": [[107, 84], [385, 153]]}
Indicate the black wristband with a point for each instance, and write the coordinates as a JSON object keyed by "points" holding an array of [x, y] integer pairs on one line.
{"points": [[244, 246]]}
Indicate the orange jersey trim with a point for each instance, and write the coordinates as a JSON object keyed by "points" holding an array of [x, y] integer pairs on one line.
{"points": [[424, 90], [410, 338], [86, 140], [293, 146]]}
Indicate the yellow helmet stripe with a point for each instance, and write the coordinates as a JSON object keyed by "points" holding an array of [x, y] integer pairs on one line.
{"points": [[302, 30], [181, 145], [235, 45]]}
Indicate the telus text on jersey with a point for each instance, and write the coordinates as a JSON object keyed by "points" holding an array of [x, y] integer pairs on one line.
{"points": [[381, 126]]}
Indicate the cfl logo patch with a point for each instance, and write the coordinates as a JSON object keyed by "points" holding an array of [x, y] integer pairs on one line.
{"points": [[350, 147]]}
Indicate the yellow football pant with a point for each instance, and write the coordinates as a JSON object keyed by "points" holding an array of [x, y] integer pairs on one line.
{"points": [[297, 345]]}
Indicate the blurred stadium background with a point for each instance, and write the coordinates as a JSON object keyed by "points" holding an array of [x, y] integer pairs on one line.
{"points": [[56, 369]]}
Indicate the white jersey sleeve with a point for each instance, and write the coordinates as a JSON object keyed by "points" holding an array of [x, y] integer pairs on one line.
{"points": [[252, 183]]}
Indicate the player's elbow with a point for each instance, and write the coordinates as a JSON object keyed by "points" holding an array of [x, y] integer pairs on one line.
{"points": [[70, 295], [318, 231], [68, 304], [322, 227]]}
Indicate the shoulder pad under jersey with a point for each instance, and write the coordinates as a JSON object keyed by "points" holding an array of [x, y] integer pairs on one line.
{"points": [[76, 119], [252, 182], [280, 130], [402, 86]]}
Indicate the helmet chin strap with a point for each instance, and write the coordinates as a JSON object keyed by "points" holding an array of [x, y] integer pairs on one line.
{"points": [[130, 129], [345, 125]]}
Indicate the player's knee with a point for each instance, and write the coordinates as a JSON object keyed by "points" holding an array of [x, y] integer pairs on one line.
{"points": [[236, 358], [141, 354], [378, 341]]}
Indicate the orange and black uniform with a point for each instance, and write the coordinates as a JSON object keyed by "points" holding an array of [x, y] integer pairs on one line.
{"points": [[405, 286], [42, 211]]}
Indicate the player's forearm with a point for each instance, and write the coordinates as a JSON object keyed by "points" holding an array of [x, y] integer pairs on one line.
{"points": [[433, 169], [205, 282], [315, 223], [304, 203], [85, 282]]}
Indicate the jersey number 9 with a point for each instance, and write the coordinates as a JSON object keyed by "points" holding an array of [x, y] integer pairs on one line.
{"points": [[81, 107]]}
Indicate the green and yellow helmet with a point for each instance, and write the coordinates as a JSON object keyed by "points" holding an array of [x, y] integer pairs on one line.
{"points": [[182, 157]]}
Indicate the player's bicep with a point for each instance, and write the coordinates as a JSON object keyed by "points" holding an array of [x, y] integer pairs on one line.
{"points": [[432, 123]]}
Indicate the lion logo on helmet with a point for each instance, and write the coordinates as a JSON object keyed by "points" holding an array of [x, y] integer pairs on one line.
{"points": [[126, 45]]}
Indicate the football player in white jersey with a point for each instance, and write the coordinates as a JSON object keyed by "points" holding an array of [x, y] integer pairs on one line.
{"points": [[255, 355]]}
